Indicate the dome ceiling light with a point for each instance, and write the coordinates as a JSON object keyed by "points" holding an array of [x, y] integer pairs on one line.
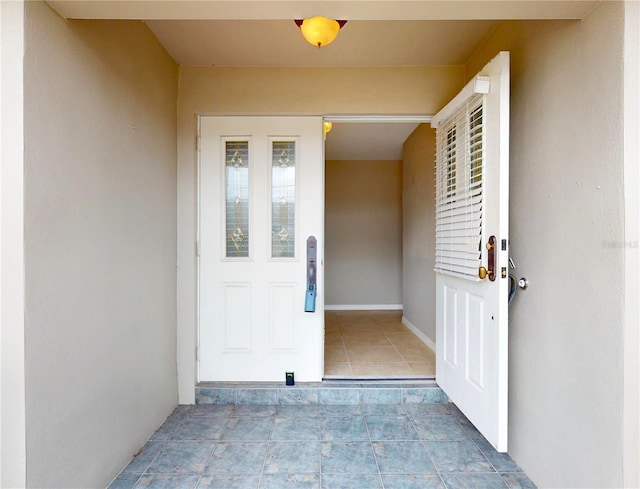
{"points": [[319, 30]]}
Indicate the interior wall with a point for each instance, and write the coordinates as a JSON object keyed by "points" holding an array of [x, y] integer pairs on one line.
{"points": [[418, 225], [363, 233], [100, 245], [280, 91], [567, 237]]}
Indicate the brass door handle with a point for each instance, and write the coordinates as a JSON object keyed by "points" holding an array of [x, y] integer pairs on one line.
{"points": [[490, 271]]}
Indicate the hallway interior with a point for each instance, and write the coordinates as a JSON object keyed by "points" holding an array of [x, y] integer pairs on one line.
{"points": [[374, 344]]}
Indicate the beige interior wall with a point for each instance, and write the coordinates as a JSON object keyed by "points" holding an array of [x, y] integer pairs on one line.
{"points": [[567, 235], [100, 245], [280, 91], [418, 225], [363, 233]]}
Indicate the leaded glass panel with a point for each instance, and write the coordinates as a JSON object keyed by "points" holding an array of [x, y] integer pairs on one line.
{"points": [[283, 199], [237, 198]]}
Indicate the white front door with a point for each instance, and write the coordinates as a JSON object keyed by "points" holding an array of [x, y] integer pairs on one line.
{"points": [[261, 196], [472, 172]]}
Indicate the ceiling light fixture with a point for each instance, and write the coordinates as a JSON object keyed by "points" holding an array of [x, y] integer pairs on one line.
{"points": [[319, 30]]}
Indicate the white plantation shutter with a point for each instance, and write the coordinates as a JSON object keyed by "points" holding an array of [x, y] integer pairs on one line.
{"points": [[460, 190]]}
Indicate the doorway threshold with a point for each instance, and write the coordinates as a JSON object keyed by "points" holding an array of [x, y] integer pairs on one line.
{"points": [[329, 391], [380, 379]]}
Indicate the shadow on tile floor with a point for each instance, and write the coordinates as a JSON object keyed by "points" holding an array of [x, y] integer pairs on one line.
{"points": [[364, 446]]}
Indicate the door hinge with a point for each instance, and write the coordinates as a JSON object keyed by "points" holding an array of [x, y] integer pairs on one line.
{"points": [[198, 143], [197, 248], [197, 353]]}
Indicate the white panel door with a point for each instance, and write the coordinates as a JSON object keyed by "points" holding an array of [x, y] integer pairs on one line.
{"points": [[471, 313], [261, 195]]}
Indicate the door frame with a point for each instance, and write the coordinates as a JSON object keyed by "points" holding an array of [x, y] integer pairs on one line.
{"points": [[186, 393]]}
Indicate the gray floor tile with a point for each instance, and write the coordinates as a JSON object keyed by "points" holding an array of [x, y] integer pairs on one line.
{"points": [[351, 481], [182, 457], [183, 409], [351, 457], [237, 458], [297, 396], [474, 481], [333, 410], [441, 428], [402, 457], [216, 396], [294, 429], [124, 481], [344, 429], [167, 481], [199, 428], [427, 409], [293, 458], [457, 456], [502, 462], [424, 395], [391, 428], [518, 481], [212, 410], [253, 410], [412, 481], [471, 431], [251, 446], [311, 411], [383, 410], [144, 457], [381, 396], [258, 396], [290, 481], [168, 427], [248, 429], [339, 396], [229, 481]]}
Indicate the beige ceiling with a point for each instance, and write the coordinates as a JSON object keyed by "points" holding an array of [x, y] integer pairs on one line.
{"points": [[280, 43], [378, 32], [367, 140]]}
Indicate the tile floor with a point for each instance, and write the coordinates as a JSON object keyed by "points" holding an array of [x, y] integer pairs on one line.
{"points": [[374, 344], [320, 446]]}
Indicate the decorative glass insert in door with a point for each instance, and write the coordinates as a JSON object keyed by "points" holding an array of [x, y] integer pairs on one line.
{"points": [[237, 198], [283, 199]]}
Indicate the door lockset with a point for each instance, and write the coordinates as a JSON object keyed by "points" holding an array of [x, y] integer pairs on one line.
{"points": [[310, 295], [490, 271]]}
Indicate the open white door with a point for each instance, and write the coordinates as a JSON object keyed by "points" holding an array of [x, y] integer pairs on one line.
{"points": [[472, 196], [261, 197]]}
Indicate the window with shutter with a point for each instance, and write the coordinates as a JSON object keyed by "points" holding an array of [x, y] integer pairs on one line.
{"points": [[459, 190]]}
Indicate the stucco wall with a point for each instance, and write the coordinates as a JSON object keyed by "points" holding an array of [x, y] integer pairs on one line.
{"points": [[418, 201], [279, 91], [100, 245], [12, 375], [363, 233], [567, 235], [631, 418]]}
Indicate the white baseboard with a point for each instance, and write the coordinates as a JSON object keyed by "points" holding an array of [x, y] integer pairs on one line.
{"points": [[363, 307], [425, 339]]}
